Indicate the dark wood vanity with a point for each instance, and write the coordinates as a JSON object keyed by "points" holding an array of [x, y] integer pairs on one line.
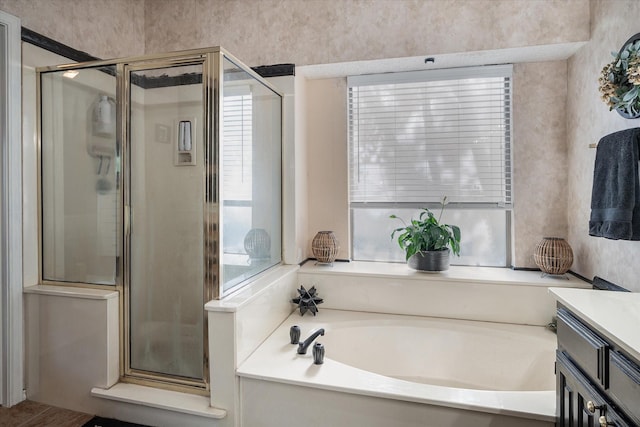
{"points": [[598, 381]]}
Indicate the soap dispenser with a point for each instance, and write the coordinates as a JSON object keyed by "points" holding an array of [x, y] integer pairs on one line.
{"points": [[185, 148]]}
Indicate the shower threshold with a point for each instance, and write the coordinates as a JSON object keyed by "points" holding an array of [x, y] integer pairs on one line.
{"points": [[161, 399]]}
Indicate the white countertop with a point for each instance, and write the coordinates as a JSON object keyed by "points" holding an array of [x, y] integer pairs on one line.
{"points": [[616, 315]]}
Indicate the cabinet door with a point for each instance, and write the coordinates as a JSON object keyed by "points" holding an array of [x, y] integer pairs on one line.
{"points": [[587, 350], [624, 385], [579, 403]]}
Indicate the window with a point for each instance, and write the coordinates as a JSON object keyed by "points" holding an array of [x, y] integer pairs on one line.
{"points": [[418, 136], [237, 171]]}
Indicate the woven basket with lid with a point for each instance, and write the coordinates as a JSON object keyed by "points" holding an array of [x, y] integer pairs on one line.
{"points": [[325, 247], [553, 255]]}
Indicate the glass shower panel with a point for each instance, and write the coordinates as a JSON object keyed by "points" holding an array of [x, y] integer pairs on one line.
{"points": [[166, 135], [79, 182], [251, 176]]}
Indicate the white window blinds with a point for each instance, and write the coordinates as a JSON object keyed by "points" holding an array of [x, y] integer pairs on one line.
{"points": [[238, 146], [416, 137]]}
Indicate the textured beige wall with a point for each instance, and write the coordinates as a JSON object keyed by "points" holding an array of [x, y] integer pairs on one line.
{"points": [[327, 161], [539, 156], [302, 197], [327, 31], [589, 119], [106, 29]]}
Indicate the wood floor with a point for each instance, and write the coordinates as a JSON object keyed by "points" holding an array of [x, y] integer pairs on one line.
{"points": [[34, 414]]}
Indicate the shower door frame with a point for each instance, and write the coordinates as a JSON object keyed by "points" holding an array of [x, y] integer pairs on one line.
{"points": [[204, 58], [213, 73], [11, 300]]}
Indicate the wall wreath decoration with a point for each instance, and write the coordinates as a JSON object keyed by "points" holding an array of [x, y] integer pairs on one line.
{"points": [[620, 80]]}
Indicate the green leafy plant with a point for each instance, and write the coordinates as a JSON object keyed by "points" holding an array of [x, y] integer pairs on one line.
{"points": [[427, 234], [620, 80]]}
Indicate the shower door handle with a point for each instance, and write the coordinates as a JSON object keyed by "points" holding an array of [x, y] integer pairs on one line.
{"points": [[127, 220]]}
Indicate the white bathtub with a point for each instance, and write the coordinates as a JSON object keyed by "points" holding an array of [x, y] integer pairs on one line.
{"points": [[402, 370], [447, 352]]}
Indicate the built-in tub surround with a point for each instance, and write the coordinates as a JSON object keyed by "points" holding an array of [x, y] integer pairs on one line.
{"points": [[369, 356], [501, 372]]}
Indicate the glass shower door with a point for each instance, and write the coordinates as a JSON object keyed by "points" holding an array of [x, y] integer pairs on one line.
{"points": [[166, 292]]}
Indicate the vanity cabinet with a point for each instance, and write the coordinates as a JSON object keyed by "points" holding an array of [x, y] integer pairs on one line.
{"points": [[597, 383]]}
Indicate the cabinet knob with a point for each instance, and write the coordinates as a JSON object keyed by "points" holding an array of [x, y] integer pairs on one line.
{"points": [[603, 421], [591, 407]]}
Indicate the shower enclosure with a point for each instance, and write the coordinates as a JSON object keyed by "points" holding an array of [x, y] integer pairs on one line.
{"points": [[161, 176]]}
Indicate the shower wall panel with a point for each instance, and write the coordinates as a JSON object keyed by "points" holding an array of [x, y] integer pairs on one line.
{"points": [[251, 190], [79, 180]]}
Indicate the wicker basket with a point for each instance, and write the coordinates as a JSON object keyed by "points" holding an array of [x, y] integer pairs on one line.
{"points": [[553, 255], [325, 247]]}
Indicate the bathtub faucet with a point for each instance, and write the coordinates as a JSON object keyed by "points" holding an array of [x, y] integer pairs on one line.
{"points": [[302, 346]]}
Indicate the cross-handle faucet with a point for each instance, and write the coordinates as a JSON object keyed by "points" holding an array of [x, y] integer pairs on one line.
{"points": [[302, 346]]}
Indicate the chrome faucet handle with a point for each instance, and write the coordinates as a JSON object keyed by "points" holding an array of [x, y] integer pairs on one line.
{"points": [[294, 334]]}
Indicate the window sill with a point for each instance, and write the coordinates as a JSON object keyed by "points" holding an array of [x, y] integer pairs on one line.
{"points": [[485, 294], [455, 274]]}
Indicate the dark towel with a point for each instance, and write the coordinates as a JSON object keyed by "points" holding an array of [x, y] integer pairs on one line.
{"points": [[615, 199]]}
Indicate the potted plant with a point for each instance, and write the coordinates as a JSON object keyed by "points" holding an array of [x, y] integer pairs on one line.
{"points": [[426, 242]]}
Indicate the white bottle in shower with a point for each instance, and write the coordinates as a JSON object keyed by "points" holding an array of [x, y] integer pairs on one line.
{"points": [[187, 135], [103, 117], [181, 130], [184, 135]]}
